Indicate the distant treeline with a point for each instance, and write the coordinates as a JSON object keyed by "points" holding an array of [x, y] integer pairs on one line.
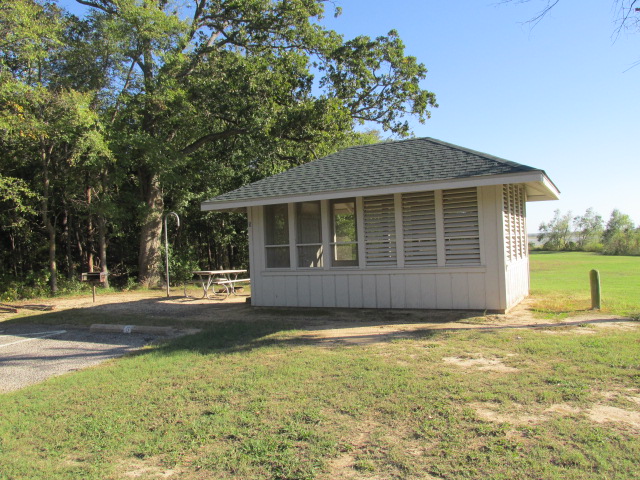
{"points": [[589, 233]]}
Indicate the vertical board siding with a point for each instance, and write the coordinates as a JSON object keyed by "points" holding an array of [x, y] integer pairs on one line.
{"points": [[428, 291], [412, 291], [304, 293], [460, 289], [342, 291], [291, 291], [369, 291], [355, 291], [398, 291], [444, 293], [517, 281], [315, 284], [383, 291], [463, 290], [328, 291]]}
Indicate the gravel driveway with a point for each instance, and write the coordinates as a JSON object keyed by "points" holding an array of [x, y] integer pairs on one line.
{"points": [[32, 353]]}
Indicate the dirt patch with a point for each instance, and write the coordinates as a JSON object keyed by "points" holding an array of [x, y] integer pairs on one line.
{"points": [[344, 466], [143, 469], [569, 331], [325, 325], [606, 413], [480, 363], [491, 412]]}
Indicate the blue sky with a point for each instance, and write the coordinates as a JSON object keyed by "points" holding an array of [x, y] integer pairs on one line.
{"points": [[562, 96]]}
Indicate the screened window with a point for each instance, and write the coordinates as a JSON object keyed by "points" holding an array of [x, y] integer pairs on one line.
{"points": [[380, 231], [461, 226], [276, 219], [419, 228], [309, 234], [344, 238]]}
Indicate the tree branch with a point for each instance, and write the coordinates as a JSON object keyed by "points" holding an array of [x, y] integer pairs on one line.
{"points": [[211, 137], [106, 5]]}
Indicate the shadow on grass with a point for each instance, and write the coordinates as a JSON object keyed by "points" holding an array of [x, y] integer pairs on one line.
{"points": [[233, 327]]}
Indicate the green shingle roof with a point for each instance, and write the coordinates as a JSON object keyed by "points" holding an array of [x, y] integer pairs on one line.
{"points": [[417, 160]]}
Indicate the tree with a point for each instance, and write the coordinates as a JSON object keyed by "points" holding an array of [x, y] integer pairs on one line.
{"points": [[50, 133], [589, 229], [259, 84], [621, 237], [556, 234]]}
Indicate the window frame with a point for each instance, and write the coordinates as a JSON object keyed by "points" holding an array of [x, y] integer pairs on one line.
{"points": [[272, 246], [319, 244], [332, 235]]}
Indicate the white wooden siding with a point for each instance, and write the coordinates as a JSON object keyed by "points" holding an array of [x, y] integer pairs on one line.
{"points": [[487, 286], [517, 281]]}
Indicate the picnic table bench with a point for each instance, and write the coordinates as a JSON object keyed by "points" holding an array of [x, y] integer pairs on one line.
{"points": [[224, 278]]}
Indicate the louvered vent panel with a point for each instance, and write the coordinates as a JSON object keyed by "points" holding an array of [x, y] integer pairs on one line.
{"points": [[517, 196], [515, 232], [419, 228], [461, 229], [507, 220], [380, 231]]}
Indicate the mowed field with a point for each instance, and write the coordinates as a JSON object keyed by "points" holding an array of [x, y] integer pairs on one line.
{"points": [[267, 400], [560, 282]]}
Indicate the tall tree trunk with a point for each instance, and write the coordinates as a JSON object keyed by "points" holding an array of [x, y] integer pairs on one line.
{"points": [[53, 269], [14, 259], [90, 248], [48, 224], [151, 232], [67, 239], [102, 246]]}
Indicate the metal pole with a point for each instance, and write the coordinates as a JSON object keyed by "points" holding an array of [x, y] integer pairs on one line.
{"points": [[166, 245]]}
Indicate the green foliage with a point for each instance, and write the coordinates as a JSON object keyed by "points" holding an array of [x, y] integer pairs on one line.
{"points": [[556, 234], [619, 237], [589, 230], [139, 108]]}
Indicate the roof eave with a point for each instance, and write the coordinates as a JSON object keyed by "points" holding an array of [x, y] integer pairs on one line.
{"points": [[539, 187]]}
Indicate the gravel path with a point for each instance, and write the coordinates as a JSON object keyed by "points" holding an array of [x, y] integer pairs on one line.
{"points": [[32, 353]]}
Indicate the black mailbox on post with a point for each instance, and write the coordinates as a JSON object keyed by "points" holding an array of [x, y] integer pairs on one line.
{"points": [[93, 279]]}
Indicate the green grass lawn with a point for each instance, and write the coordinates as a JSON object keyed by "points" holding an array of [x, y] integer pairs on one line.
{"points": [[560, 282], [256, 401]]}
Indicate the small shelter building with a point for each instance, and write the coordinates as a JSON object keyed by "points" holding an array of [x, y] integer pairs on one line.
{"points": [[416, 223]]}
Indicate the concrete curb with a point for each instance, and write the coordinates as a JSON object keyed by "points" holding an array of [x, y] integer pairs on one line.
{"points": [[148, 329]]}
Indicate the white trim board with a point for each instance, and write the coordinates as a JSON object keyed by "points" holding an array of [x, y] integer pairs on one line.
{"points": [[538, 185]]}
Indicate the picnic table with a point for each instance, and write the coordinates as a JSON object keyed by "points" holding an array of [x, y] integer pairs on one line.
{"points": [[224, 278]]}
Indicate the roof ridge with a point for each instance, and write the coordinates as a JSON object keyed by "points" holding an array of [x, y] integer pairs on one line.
{"points": [[382, 142]]}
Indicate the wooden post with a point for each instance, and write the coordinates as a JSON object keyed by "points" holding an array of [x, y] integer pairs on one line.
{"points": [[594, 277], [93, 289]]}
